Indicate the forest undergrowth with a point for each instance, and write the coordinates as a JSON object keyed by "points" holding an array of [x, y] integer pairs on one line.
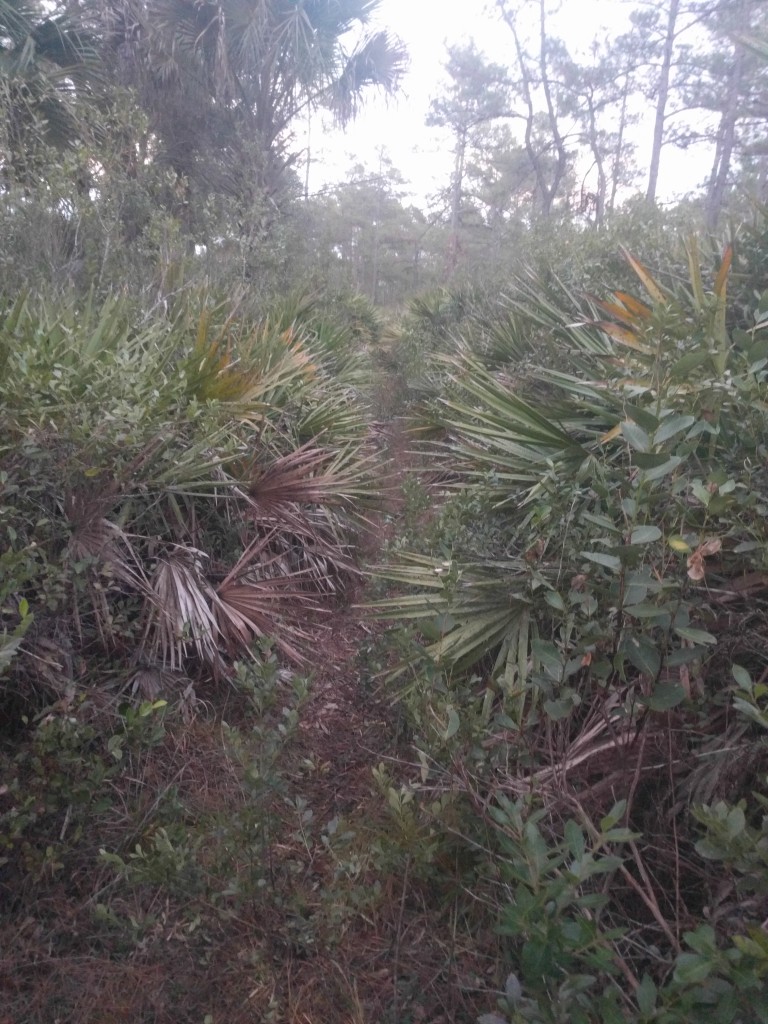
{"points": [[383, 582], [240, 852], [454, 716]]}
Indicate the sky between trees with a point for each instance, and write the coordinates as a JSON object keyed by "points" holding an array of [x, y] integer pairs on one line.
{"points": [[588, 30]]}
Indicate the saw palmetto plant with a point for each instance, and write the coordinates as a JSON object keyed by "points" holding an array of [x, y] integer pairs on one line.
{"points": [[188, 486], [584, 627]]}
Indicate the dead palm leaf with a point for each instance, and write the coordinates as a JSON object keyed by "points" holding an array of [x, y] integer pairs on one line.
{"points": [[179, 614], [310, 475], [248, 611]]}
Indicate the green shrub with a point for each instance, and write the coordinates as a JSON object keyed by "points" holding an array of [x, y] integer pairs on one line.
{"points": [[170, 489], [579, 637]]}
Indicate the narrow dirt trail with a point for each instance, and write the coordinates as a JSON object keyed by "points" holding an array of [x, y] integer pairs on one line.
{"points": [[392, 958], [346, 722]]}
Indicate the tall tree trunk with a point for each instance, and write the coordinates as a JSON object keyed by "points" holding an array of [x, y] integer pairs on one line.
{"points": [[597, 153], [377, 233], [619, 152], [662, 99], [726, 137], [457, 190], [548, 186], [309, 154], [526, 86], [561, 163]]}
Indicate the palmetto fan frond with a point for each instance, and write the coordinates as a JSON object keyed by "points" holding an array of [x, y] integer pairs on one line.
{"points": [[248, 611], [379, 62], [463, 610], [184, 612], [311, 475], [46, 65], [557, 460], [179, 613]]}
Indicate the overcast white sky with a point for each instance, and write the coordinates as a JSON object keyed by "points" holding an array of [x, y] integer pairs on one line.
{"points": [[423, 155]]}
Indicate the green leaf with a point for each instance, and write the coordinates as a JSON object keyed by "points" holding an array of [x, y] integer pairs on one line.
{"points": [[650, 460], [614, 816], [742, 677], [554, 600], [696, 636], [646, 994], [673, 425], [453, 724], [574, 837], [735, 822], [513, 990], [685, 655], [608, 1010], [600, 558], [642, 654], [603, 522], [645, 611], [629, 505], [635, 593], [620, 835], [115, 746], [663, 470], [688, 362], [741, 338], [645, 535], [642, 417], [692, 969], [701, 941], [635, 436], [557, 709], [758, 716], [549, 656], [664, 697], [700, 491]]}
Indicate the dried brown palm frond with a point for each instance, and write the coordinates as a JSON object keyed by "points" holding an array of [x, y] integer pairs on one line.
{"points": [[313, 567], [151, 682], [310, 475], [247, 610], [718, 766], [328, 569], [289, 539], [110, 554], [46, 664], [110, 546], [179, 614], [604, 746], [270, 564], [186, 615], [295, 477]]}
